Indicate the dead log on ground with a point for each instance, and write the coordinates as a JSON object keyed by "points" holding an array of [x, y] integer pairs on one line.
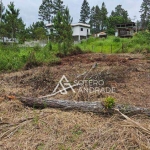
{"points": [[83, 106]]}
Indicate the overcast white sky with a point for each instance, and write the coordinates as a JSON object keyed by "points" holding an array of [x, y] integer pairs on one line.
{"points": [[29, 8]]}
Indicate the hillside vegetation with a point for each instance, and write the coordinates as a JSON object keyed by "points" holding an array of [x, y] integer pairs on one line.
{"points": [[15, 57], [112, 44]]}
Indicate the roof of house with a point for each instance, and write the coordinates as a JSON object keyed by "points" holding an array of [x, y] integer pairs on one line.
{"points": [[102, 33], [73, 25], [80, 24]]}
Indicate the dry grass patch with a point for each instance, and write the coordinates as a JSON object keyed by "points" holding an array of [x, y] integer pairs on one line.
{"points": [[47, 129]]}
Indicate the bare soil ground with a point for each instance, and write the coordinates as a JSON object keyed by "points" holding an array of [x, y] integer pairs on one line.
{"points": [[50, 129]]}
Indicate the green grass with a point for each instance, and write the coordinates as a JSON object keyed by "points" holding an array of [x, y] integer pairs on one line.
{"points": [[13, 58], [114, 44], [102, 45]]}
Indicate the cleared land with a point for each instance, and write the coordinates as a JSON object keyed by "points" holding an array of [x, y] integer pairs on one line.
{"points": [[28, 128]]}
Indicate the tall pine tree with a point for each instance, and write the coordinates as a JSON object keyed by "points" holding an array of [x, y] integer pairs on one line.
{"points": [[62, 25], [2, 26], [95, 19], [85, 12], [1, 11], [58, 6], [46, 11], [117, 17], [145, 13], [103, 16], [120, 12], [13, 23], [92, 18]]}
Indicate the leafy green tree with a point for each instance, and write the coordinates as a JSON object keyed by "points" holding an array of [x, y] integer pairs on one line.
{"points": [[46, 11], [145, 13], [58, 6], [111, 23], [85, 12]]}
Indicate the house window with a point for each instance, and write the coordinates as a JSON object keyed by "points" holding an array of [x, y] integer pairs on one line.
{"points": [[81, 29], [87, 31]]}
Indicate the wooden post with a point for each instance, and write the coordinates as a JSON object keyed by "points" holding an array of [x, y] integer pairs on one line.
{"points": [[92, 47], [111, 48], [122, 48], [84, 46]]}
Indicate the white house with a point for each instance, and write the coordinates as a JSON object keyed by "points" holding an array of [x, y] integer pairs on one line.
{"points": [[80, 31]]}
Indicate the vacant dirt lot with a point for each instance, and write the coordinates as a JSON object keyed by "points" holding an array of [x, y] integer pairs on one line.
{"points": [[28, 128]]}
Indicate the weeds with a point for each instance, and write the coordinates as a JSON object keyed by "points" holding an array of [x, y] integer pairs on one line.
{"points": [[50, 47], [109, 102], [13, 58], [37, 48], [116, 39], [77, 130], [113, 44]]}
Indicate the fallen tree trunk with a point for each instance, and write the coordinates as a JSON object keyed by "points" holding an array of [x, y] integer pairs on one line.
{"points": [[84, 106]]}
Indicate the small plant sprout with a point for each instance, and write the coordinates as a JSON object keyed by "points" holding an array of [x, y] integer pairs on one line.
{"points": [[109, 102]]}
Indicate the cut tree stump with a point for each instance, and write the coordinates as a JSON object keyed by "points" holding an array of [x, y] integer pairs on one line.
{"points": [[83, 106]]}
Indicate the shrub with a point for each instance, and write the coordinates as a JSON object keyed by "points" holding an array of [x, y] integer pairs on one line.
{"points": [[99, 44], [37, 48], [31, 62], [141, 49], [83, 41], [60, 55], [50, 46], [76, 50], [146, 48], [64, 48], [116, 39], [55, 61], [90, 40], [142, 38], [149, 26]]}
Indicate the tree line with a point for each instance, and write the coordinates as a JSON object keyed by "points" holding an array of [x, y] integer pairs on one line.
{"points": [[99, 20], [56, 13]]}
